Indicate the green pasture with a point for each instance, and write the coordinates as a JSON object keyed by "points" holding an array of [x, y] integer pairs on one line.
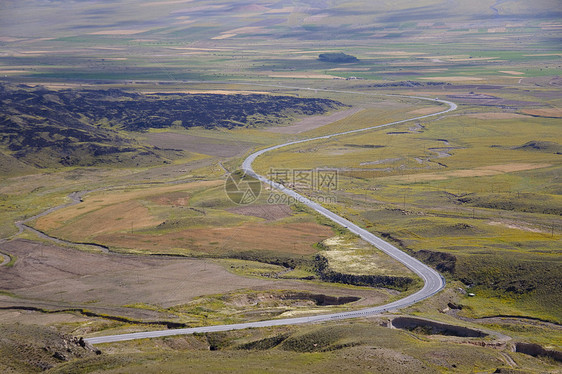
{"points": [[486, 196], [320, 349]]}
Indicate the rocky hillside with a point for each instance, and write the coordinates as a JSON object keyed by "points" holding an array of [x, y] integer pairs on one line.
{"points": [[47, 128]]}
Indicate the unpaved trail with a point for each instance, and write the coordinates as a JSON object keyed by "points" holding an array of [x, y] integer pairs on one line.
{"points": [[76, 198]]}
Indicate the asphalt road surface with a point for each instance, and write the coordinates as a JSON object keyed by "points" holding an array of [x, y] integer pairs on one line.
{"points": [[433, 281]]}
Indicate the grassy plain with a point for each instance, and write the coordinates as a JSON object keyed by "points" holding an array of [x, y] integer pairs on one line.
{"points": [[199, 40], [364, 346], [160, 220], [472, 184], [475, 193]]}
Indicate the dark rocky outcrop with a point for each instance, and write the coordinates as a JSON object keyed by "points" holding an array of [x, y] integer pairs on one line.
{"points": [[536, 350], [47, 128], [435, 328], [328, 275]]}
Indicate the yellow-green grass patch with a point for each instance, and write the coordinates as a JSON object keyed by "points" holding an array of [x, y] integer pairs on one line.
{"points": [[354, 256]]}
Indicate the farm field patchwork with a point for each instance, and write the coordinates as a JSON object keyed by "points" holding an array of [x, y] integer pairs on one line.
{"points": [[144, 108]]}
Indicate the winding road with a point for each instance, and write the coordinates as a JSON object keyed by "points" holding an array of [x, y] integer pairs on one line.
{"points": [[433, 281]]}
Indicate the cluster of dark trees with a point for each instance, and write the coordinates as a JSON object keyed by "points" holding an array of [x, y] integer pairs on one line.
{"points": [[337, 57]]}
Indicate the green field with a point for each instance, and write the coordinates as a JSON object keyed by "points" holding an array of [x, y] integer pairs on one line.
{"points": [[474, 188]]}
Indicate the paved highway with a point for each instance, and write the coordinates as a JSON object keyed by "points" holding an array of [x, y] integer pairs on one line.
{"points": [[433, 281]]}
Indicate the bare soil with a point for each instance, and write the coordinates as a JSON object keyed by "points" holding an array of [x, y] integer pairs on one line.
{"points": [[198, 144], [28, 317], [476, 172], [516, 226], [294, 238], [55, 277], [314, 122]]}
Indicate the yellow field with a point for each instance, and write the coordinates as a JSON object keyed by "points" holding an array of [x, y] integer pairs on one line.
{"points": [[111, 210], [183, 218]]}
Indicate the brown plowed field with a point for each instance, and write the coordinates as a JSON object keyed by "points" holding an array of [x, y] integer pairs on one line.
{"points": [[198, 144], [295, 238]]}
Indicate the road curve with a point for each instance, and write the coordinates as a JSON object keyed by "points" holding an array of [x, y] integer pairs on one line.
{"points": [[433, 281]]}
